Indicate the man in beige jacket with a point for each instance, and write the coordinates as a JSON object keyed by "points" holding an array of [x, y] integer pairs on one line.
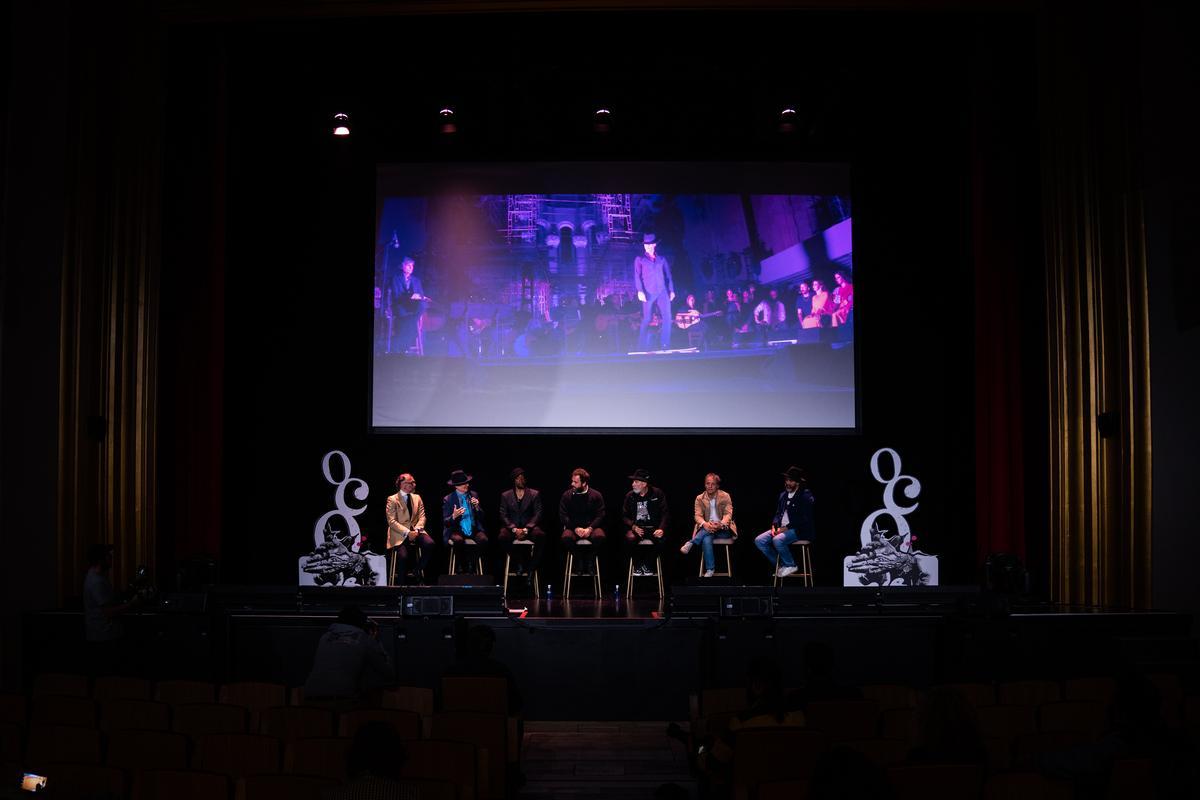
{"points": [[714, 519], [406, 529]]}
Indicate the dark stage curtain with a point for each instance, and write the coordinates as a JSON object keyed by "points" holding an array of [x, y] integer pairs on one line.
{"points": [[1096, 312], [108, 364]]}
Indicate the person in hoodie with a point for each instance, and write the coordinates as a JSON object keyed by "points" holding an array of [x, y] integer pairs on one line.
{"points": [[349, 661]]}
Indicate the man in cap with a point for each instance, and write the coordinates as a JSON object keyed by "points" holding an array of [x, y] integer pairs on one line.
{"points": [[520, 513], [793, 522], [462, 518], [652, 279], [645, 515]]}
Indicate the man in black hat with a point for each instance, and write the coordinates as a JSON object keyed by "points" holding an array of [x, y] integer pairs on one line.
{"points": [[581, 511], [645, 515], [793, 522], [520, 512], [652, 279], [462, 518]]}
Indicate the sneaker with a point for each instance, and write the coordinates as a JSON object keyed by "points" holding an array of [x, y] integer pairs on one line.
{"points": [[687, 548], [638, 571], [785, 571], [708, 573]]}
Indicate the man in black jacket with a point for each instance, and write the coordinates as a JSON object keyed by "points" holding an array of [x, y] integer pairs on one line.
{"points": [[793, 522], [581, 511], [644, 513], [520, 512]]}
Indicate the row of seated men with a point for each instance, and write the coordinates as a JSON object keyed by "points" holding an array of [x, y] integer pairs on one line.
{"points": [[581, 513]]}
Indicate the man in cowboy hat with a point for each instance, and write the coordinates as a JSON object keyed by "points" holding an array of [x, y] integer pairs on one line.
{"points": [[793, 522], [645, 515], [652, 278], [520, 512], [462, 518]]}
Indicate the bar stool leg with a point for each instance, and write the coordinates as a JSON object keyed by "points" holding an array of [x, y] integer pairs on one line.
{"points": [[777, 578], [567, 575], [658, 571], [507, 562]]}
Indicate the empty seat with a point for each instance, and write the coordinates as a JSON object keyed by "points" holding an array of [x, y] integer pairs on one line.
{"points": [[1026, 786], [254, 696], [118, 715], [935, 781], [882, 752], [783, 790], [180, 692], [52, 709], [766, 755], [14, 708], [134, 750], [488, 732], [51, 743], [488, 694], [282, 787], [1099, 690], [296, 722], [198, 719], [890, 695], [977, 694], [1049, 742], [158, 784], [320, 757], [1028, 693], [61, 683], [897, 724], [117, 687], [717, 701], [999, 752], [843, 720], [85, 781], [1090, 718], [237, 754], [1007, 722], [12, 742], [437, 760]]}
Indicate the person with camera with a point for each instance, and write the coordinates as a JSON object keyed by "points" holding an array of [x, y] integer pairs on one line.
{"points": [[103, 632], [350, 661]]}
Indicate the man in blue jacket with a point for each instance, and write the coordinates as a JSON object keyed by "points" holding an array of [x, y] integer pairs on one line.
{"points": [[793, 522], [462, 518]]}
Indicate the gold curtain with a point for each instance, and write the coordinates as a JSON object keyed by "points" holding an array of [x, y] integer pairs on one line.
{"points": [[110, 301], [1097, 313]]}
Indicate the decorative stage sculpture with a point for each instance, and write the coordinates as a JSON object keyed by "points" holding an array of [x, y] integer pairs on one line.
{"points": [[340, 558], [885, 560]]}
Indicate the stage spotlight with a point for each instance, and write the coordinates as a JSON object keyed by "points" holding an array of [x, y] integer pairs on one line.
{"points": [[787, 120], [446, 115], [602, 120], [341, 124]]}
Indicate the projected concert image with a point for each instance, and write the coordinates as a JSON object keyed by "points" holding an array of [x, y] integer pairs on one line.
{"points": [[614, 311]]}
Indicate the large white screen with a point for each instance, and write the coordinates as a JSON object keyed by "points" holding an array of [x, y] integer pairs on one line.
{"points": [[671, 297]]}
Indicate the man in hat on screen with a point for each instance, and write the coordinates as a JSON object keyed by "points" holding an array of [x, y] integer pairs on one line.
{"points": [[652, 279], [462, 518], [645, 515], [793, 522]]}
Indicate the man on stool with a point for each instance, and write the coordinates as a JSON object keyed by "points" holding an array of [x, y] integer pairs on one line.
{"points": [[462, 519], [581, 511], [793, 522], [406, 528], [645, 515], [520, 511]]}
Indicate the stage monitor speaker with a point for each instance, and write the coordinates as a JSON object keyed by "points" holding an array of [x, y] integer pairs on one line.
{"points": [[751, 606], [335, 598], [438, 605]]}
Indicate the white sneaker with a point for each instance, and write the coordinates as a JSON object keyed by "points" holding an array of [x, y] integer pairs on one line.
{"points": [[785, 571], [708, 573], [687, 548]]}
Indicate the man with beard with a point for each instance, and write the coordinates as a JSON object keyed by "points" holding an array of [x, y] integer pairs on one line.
{"points": [[581, 511]]}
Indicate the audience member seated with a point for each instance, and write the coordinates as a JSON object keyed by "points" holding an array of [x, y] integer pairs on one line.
{"points": [[1136, 731], [350, 661], [766, 708], [475, 661], [820, 680], [947, 730], [373, 766]]}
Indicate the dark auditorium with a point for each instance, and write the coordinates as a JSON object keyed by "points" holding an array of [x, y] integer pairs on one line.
{"points": [[599, 400]]}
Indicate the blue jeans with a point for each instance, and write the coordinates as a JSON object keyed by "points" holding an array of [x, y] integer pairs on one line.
{"points": [[772, 544], [705, 540]]}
